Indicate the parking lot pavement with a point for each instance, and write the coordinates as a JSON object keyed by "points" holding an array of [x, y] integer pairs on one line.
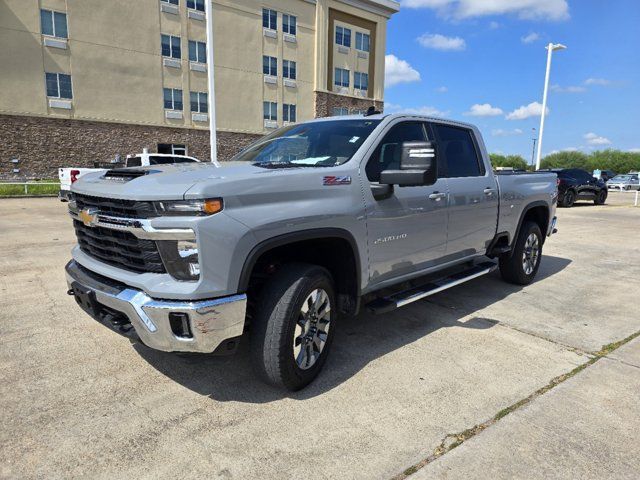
{"points": [[77, 400]]}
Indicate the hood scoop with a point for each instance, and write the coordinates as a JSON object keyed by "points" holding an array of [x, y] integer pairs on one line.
{"points": [[126, 174]]}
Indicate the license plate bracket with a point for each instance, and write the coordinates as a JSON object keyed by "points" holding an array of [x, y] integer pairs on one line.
{"points": [[86, 299]]}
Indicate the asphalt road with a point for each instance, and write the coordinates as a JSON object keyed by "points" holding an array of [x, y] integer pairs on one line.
{"points": [[76, 400]]}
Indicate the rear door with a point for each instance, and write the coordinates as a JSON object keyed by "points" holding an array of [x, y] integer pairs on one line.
{"points": [[406, 230], [473, 192]]}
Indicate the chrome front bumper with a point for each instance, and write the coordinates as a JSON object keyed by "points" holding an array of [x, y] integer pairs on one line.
{"points": [[211, 322]]}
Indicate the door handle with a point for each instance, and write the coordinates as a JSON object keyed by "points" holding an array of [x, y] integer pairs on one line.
{"points": [[488, 191], [437, 196]]}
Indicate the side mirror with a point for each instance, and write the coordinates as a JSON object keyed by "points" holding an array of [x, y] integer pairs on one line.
{"points": [[418, 166]]}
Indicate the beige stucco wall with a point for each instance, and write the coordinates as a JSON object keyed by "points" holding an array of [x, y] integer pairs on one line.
{"points": [[115, 61]]}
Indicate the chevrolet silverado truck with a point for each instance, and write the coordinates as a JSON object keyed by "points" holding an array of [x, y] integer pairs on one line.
{"points": [[311, 223]]}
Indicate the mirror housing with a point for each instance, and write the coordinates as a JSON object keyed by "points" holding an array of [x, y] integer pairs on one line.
{"points": [[418, 166]]}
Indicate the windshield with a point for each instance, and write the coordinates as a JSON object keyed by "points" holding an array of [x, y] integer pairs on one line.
{"points": [[316, 144]]}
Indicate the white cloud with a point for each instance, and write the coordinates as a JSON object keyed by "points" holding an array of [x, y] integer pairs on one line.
{"points": [[532, 37], [603, 82], [398, 71], [534, 109], [425, 110], [494, 25], [483, 110], [569, 89], [524, 9], [442, 89], [436, 41], [499, 132], [634, 150], [594, 139]]}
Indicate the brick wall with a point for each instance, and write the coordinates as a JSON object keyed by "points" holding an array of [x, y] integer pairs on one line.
{"points": [[45, 144], [325, 103]]}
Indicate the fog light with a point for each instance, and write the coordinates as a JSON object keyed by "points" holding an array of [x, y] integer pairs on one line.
{"points": [[180, 258]]}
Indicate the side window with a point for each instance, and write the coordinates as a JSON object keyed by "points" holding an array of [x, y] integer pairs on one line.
{"points": [[134, 162], [457, 150], [387, 154]]}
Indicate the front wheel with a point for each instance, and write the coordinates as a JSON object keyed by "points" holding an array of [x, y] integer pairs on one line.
{"points": [[601, 197], [520, 267], [294, 326]]}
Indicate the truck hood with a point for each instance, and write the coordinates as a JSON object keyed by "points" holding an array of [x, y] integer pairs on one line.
{"points": [[162, 182]]}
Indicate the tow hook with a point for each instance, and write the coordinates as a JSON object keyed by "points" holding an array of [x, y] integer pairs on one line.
{"points": [[71, 292]]}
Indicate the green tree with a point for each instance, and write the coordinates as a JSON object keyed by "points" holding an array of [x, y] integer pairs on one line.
{"points": [[514, 161], [616, 160]]}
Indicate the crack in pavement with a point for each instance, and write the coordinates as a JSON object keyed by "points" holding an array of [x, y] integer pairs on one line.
{"points": [[453, 440]]}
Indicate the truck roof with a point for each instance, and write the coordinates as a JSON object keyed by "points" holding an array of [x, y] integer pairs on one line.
{"points": [[381, 116]]}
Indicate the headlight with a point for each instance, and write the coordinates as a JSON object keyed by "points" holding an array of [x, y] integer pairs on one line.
{"points": [[189, 207], [180, 258]]}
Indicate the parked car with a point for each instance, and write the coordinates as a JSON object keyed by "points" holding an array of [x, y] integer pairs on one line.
{"points": [[605, 175], [629, 181], [575, 184], [69, 176], [313, 222]]}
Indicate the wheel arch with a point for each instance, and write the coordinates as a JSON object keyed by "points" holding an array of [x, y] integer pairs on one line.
{"points": [[538, 212]]}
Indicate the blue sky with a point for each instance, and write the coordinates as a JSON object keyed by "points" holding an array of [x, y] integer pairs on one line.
{"points": [[483, 61]]}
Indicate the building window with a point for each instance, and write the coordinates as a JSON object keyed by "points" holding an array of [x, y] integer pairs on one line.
{"points": [[361, 80], [172, 2], [270, 66], [289, 69], [270, 111], [269, 19], [338, 111], [196, 5], [289, 24], [197, 51], [289, 113], [58, 85], [199, 102], [341, 77], [172, 99], [362, 41], [171, 46], [343, 36], [53, 23]]}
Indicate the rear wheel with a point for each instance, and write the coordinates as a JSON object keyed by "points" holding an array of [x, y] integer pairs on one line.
{"points": [[293, 329], [569, 199], [601, 197], [521, 266]]}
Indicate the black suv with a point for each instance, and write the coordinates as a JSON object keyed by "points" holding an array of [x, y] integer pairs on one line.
{"points": [[576, 184]]}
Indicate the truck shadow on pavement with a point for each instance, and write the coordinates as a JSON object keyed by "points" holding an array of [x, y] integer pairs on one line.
{"points": [[358, 341]]}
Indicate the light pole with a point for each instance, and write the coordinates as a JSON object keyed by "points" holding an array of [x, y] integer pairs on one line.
{"points": [[533, 150], [212, 88], [550, 49]]}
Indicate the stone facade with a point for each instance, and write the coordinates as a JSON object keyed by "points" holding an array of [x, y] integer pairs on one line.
{"points": [[42, 145], [325, 102]]}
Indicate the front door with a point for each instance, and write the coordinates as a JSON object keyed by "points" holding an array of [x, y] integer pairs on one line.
{"points": [[407, 231], [473, 192]]}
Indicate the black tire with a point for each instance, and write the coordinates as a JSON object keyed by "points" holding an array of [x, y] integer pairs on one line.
{"points": [[568, 199], [601, 197], [512, 266], [278, 312]]}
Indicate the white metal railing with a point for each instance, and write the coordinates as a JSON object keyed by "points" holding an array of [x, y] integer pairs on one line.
{"points": [[27, 184]]}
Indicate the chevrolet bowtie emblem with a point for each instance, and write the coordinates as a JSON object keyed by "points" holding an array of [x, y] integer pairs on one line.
{"points": [[88, 216]]}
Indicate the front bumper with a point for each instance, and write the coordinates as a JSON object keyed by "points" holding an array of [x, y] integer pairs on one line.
{"points": [[133, 313]]}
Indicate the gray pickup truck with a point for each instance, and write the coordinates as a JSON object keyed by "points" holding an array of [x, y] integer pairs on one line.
{"points": [[313, 222]]}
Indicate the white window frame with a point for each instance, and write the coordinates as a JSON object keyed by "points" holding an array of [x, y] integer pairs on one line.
{"points": [[199, 101], [273, 67], [195, 6], [198, 59], [286, 69], [341, 84], [272, 115], [171, 47], [358, 84], [339, 111], [362, 35], [287, 108], [171, 2], [53, 23], [269, 26], [173, 99], [57, 74], [335, 37], [286, 27]]}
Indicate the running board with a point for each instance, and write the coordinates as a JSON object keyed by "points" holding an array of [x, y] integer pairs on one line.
{"points": [[386, 304]]}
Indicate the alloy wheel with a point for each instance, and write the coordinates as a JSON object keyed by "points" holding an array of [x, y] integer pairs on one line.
{"points": [[530, 254], [312, 329]]}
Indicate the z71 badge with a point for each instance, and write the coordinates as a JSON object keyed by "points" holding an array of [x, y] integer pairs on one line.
{"points": [[339, 180]]}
